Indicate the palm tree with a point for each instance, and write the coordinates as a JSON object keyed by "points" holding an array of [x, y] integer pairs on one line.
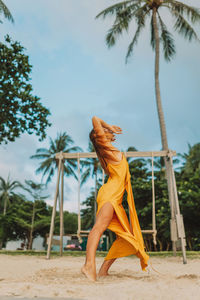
{"points": [[139, 10], [7, 190], [191, 162], [5, 11], [49, 164], [183, 16]]}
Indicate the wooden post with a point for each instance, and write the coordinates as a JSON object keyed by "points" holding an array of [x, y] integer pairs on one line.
{"points": [[179, 217], [54, 210], [79, 200], [61, 210], [173, 226], [153, 202]]}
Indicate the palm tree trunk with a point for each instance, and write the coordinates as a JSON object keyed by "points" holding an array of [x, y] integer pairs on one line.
{"points": [[161, 118], [157, 84]]}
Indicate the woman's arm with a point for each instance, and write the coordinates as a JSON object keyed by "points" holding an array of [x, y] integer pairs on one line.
{"points": [[99, 125]]}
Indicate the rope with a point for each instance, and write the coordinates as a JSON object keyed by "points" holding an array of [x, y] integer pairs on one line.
{"points": [[162, 274], [153, 200]]}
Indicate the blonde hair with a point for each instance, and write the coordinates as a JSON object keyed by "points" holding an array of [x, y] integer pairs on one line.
{"points": [[103, 150]]}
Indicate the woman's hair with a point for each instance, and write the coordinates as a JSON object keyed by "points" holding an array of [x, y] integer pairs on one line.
{"points": [[103, 150]]}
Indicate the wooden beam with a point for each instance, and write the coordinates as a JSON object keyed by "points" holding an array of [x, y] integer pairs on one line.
{"points": [[76, 155]]}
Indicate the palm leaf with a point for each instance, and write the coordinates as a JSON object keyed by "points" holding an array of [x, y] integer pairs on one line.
{"points": [[140, 15], [111, 10], [167, 40], [184, 28], [6, 12], [192, 13], [153, 41], [85, 176]]}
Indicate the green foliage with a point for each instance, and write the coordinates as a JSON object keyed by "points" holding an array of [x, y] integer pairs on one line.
{"points": [[20, 110], [6, 12], [63, 142], [6, 191], [87, 212], [21, 218], [124, 13], [70, 223], [188, 186]]}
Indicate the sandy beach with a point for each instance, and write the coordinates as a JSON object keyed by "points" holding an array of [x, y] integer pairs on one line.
{"points": [[31, 276]]}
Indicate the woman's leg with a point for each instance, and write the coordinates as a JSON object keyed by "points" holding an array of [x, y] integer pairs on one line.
{"points": [[103, 271], [102, 221]]}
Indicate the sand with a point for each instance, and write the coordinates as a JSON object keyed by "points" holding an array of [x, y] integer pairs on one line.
{"points": [[59, 277]]}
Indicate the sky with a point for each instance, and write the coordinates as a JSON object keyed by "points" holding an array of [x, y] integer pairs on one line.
{"points": [[77, 76]]}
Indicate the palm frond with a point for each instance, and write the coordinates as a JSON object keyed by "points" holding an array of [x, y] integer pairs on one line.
{"points": [[69, 171], [122, 22], [45, 165], [42, 150], [167, 40], [39, 156], [74, 149], [51, 173], [140, 15], [6, 12], [72, 163], [184, 28], [193, 13], [111, 10], [85, 176]]}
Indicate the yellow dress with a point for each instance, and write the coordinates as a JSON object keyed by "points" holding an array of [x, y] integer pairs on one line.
{"points": [[127, 241]]}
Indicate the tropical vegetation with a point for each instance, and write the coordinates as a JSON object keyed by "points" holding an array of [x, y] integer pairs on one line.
{"points": [[187, 174], [62, 143], [21, 112]]}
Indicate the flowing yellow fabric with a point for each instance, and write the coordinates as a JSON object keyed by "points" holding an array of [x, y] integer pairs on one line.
{"points": [[129, 238]]}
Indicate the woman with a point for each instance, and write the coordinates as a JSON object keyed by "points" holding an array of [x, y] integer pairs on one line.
{"points": [[110, 212]]}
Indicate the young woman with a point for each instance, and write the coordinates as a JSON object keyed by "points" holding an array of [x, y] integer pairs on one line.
{"points": [[110, 212]]}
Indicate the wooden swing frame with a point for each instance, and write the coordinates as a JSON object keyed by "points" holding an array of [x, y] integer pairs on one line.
{"points": [[176, 222]]}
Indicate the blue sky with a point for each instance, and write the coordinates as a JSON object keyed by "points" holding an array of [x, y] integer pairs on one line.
{"points": [[77, 76]]}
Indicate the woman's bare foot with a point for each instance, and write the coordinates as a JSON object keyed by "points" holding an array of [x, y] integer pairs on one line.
{"points": [[89, 272]]}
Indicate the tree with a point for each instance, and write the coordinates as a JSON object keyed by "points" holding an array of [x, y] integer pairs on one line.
{"points": [[189, 194], [20, 110], [5, 11], [184, 17], [22, 220], [35, 190], [192, 159], [139, 10], [70, 221], [49, 164], [7, 190]]}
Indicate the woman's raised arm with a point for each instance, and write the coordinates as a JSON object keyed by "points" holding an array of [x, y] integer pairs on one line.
{"points": [[99, 125]]}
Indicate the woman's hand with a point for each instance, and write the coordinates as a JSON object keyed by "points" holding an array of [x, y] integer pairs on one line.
{"points": [[115, 129], [102, 127]]}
